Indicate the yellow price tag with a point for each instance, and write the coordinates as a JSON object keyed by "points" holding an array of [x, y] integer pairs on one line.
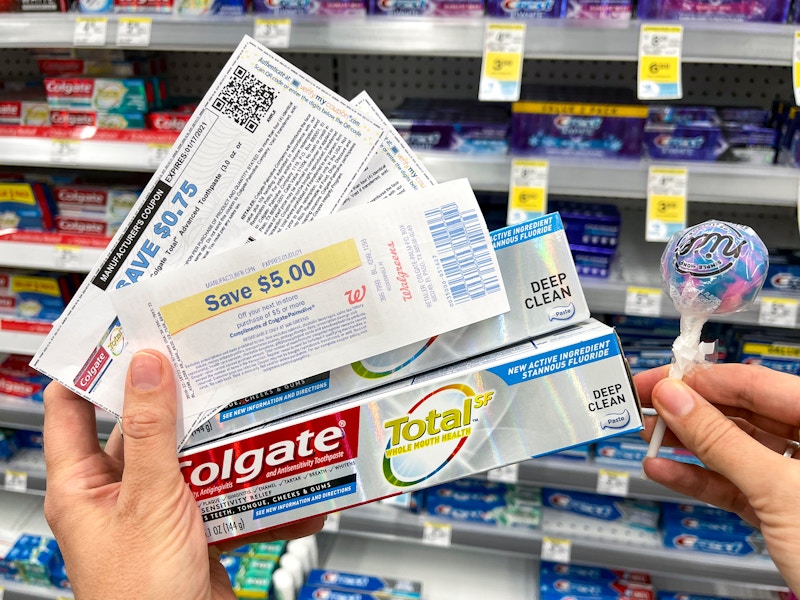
{"points": [[527, 197], [644, 302], [670, 209], [501, 71], [796, 66], [90, 31], [666, 202], [134, 31], [556, 549], [503, 66], [273, 33], [437, 534], [659, 74]]}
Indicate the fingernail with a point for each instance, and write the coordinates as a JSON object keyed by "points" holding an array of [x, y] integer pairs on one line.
{"points": [[145, 371], [675, 398]]}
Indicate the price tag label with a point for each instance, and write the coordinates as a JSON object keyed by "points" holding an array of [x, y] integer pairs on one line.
{"points": [[796, 67], [666, 202], [90, 31], [645, 302], [507, 474], [556, 550], [527, 196], [613, 483], [134, 31], [501, 70], [156, 153], [64, 151], [66, 257], [332, 522], [16, 481], [2, 592], [660, 62], [777, 312], [437, 534], [273, 33]]}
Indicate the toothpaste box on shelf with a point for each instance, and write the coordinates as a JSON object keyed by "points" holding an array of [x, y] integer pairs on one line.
{"points": [[111, 201], [453, 125], [211, 7], [630, 451], [28, 107], [26, 206], [59, 66], [359, 582], [544, 292], [526, 9], [640, 514], [335, 8], [784, 271], [774, 11], [85, 224], [20, 380], [94, 118], [548, 123], [776, 354], [684, 133], [593, 261], [711, 533], [32, 295], [426, 8], [511, 506], [600, 10], [588, 223], [168, 120], [535, 398], [556, 586], [34, 6], [102, 94], [552, 571]]}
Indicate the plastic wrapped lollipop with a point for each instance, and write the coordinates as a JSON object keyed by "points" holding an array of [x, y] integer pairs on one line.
{"points": [[714, 268]]}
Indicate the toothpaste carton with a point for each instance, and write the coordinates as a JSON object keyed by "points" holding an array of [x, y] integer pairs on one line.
{"points": [[710, 532], [784, 271], [32, 295], [105, 94], [600, 10], [111, 201], [526, 9], [19, 108], [94, 118], [640, 514], [544, 294], [774, 11], [426, 8], [779, 355], [529, 400], [549, 571], [359, 582], [26, 206], [336, 8], [684, 133]]}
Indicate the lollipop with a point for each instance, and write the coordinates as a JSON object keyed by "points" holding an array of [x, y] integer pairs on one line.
{"points": [[714, 268]]}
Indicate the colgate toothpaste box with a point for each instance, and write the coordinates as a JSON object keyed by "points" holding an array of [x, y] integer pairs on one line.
{"points": [[83, 224], [17, 111], [122, 96], [544, 292], [529, 400], [774, 11], [526, 9], [168, 120], [93, 118], [112, 202], [426, 8]]}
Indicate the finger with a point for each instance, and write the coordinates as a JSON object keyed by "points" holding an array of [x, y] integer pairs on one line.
{"points": [[646, 380], [70, 429], [148, 426], [114, 444], [700, 483], [764, 396], [714, 439], [296, 530]]}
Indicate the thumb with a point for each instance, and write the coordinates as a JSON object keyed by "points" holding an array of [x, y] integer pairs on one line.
{"points": [[149, 413], [713, 438]]}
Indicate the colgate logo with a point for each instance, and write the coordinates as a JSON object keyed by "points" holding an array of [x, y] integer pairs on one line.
{"points": [[82, 197], [669, 141], [11, 109], [170, 123], [80, 226], [92, 369], [257, 459], [68, 87], [7, 302], [18, 388], [72, 119]]}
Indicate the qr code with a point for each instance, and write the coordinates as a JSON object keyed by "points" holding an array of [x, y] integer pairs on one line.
{"points": [[245, 99]]}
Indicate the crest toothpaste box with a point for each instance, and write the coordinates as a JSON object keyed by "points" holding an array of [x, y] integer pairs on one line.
{"points": [[549, 571], [641, 514], [600, 10], [337, 8], [544, 293], [714, 532], [526, 9], [439, 8], [358, 582], [529, 400], [774, 11]]}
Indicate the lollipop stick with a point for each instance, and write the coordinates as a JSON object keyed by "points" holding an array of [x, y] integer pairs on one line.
{"points": [[687, 351]]}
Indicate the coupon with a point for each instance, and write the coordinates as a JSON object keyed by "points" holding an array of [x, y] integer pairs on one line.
{"points": [[267, 149], [319, 296]]}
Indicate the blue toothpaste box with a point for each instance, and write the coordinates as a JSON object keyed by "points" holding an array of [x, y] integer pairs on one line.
{"points": [[366, 584], [636, 513], [684, 133], [425, 8], [710, 533], [549, 570], [589, 223], [784, 271], [775, 354]]}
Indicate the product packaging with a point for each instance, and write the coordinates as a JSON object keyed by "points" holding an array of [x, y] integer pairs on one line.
{"points": [[639, 514], [684, 133], [774, 11], [212, 7], [20, 380], [589, 223], [94, 118], [630, 451], [536, 398], [776, 354], [32, 295], [26, 206], [526, 9], [544, 294], [113, 202], [784, 271], [102, 94], [513, 506], [426, 8], [25, 107], [359, 582], [618, 11], [331, 8]]}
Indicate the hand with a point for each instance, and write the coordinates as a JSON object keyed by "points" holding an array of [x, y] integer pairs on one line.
{"points": [[738, 420], [127, 524]]}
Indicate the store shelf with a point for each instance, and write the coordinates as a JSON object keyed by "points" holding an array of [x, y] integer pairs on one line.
{"points": [[50, 251], [20, 342], [28, 471], [23, 414], [397, 524], [768, 44]]}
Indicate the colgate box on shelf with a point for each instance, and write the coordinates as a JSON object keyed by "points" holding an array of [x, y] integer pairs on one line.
{"points": [[113, 202], [528, 400], [121, 96]]}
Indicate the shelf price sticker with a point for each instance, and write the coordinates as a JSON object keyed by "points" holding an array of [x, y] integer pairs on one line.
{"points": [[777, 312], [527, 196], [666, 202], [556, 549], [660, 48], [501, 70], [332, 522], [643, 301], [506, 474], [796, 67], [613, 483], [16, 481], [64, 151], [66, 257], [90, 31], [134, 31], [156, 153], [273, 33], [437, 534]]}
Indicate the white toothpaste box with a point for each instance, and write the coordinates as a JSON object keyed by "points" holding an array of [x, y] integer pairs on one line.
{"points": [[544, 294], [528, 400]]}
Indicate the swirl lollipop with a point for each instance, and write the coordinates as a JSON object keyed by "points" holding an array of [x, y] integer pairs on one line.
{"points": [[714, 268]]}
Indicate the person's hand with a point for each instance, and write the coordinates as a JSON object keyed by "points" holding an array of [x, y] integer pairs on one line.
{"points": [[742, 422], [126, 522]]}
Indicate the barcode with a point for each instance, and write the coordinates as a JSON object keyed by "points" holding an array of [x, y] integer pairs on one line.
{"points": [[463, 252], [245, 99]]}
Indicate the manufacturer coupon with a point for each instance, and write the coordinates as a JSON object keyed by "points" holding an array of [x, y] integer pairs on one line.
{"points": [[316, 297]]}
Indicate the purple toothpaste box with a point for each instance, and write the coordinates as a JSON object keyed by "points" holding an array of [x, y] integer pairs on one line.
{"points": [[600, 10], [426, 8], [771, 11], [526, 9], [684, 133], [338, 8]]}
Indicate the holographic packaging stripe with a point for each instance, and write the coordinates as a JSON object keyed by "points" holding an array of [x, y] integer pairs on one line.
{"points": [[536, 398], [544, 293]]}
